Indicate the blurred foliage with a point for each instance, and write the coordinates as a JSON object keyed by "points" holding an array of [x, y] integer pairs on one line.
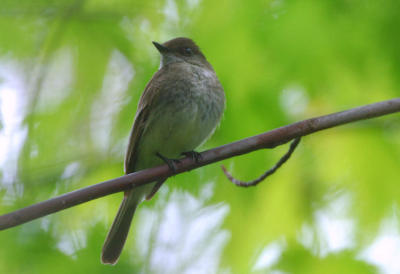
{"points": [[71, 73]]}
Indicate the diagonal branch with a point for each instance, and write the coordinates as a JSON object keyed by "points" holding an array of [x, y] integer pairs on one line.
{"points": [[268, 139]]}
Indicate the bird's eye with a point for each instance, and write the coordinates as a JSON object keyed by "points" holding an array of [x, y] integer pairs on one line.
{"points": [[187, 51]]}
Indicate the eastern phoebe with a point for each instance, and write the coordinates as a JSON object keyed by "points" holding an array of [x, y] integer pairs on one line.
{"points": [[179, 109]]}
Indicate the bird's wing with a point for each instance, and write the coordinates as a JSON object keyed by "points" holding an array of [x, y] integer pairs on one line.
{"points": [[136, 133], [146, 101]]}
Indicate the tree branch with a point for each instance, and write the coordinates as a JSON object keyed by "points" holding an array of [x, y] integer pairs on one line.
{"points": [[268, 139], [269, 172]]}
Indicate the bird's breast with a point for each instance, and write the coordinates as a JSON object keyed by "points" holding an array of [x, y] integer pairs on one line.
{"points": [[185, 115]]}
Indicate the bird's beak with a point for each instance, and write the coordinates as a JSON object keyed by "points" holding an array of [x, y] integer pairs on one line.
{"points": [[161, 48]]}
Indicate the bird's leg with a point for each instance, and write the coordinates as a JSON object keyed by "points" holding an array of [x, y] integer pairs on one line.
{"points": [[196, 156], [170, 162]]}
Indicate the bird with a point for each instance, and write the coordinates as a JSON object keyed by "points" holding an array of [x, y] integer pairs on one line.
{"points": [[179, 109]]}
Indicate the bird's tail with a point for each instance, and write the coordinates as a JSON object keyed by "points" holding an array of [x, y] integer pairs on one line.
{"points": [[116, 237]]}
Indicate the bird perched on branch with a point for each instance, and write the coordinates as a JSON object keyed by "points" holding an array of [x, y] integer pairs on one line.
{"points": [[179, 109]]}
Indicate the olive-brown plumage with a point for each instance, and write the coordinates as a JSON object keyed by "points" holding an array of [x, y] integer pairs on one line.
{"points": [[178, 110]]}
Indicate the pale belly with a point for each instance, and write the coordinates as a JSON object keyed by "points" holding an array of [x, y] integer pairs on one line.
{"points": [[178, 128], [183, 116]]}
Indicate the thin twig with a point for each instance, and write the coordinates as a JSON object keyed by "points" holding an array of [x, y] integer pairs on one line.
{"points": [[268, 139], [269, 172]]}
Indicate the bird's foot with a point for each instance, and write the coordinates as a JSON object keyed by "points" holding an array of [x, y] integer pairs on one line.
{"points": [[193, 154], [170, 162]]}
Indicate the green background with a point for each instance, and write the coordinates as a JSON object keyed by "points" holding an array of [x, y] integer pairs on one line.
{"points": [[76, 69]]}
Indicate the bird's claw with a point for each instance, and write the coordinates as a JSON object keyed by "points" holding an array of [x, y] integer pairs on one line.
{"points": [[170, 162], [193, 154]]}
